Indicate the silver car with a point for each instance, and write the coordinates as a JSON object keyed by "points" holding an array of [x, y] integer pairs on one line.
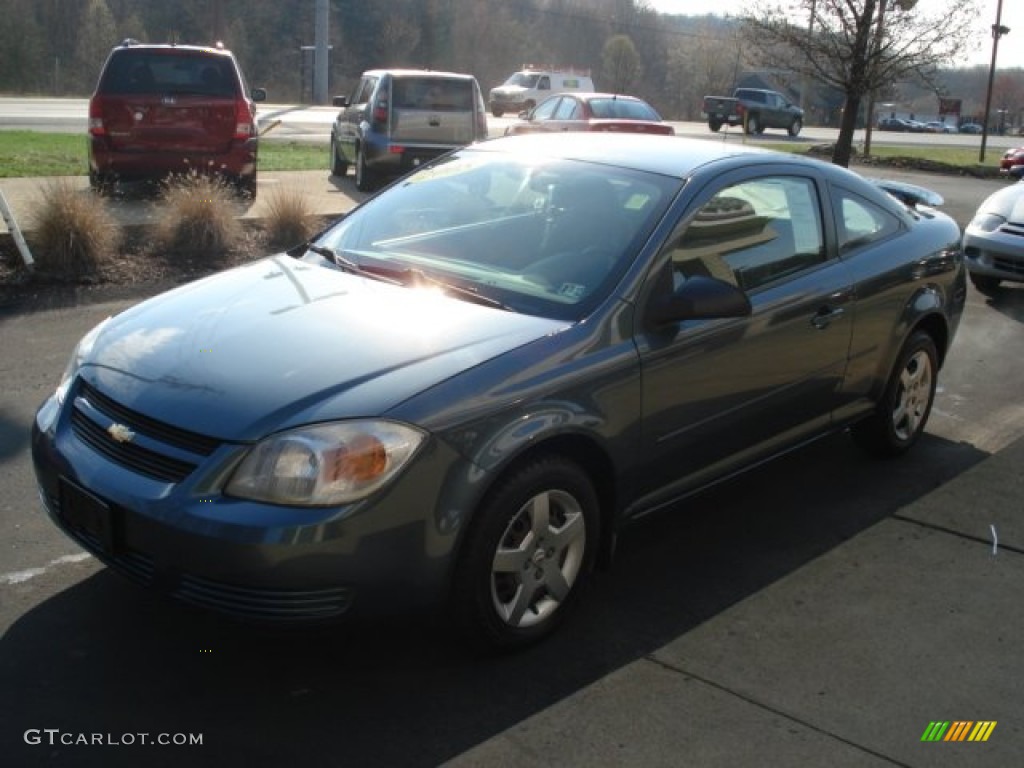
{"points": [[993, 242]]}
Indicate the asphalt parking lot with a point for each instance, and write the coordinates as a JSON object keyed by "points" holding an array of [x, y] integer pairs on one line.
{"points": [[824, 610]]}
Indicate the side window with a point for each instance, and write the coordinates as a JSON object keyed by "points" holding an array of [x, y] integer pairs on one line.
{"points": [[546, 110], [862, 222], [544, 84], [363, 91], [753, 233], [568, 109]]}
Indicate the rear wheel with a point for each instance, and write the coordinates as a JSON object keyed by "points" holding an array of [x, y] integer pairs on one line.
{"points": [[246, 186], [100, 184], [985, 284], [903, 411], [715, 125], [366, 179], [527, 556], [497, 112], [339, 167], [753, 124]]}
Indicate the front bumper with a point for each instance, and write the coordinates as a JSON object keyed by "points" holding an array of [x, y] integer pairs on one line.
{"points": [[998, 254], [178, 535]]}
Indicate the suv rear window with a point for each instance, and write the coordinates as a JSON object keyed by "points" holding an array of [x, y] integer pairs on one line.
{"points": [[184, 73], [436, 93]]}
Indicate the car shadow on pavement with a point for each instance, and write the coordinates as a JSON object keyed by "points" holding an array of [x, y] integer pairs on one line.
{"points": [[105, 657], [1008, 300]]}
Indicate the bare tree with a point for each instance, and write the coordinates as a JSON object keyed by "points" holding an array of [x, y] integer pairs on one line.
{"points": [[860, 46], [620, 63]]}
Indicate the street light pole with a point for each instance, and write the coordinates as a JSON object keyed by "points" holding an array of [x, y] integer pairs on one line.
{"points": [[998, 30]]}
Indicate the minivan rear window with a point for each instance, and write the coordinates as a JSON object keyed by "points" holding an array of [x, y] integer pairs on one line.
{"points": [[435, 93], [183, 73]]}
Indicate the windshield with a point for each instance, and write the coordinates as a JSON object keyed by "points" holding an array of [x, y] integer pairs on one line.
{"points": [[525, 79], [543, 237]]}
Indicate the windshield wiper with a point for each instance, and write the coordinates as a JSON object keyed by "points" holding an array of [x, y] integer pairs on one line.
{"points": [[405, 276], [343, 262], [469, 294]]}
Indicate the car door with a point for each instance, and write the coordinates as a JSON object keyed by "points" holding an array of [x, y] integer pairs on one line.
{"points": [[721, 393], [567, 115], [350, 117]]}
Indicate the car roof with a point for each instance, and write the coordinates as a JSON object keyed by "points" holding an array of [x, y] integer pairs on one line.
{"points": [[585, 95], [131, 45], [668, 155], [416, 73]]}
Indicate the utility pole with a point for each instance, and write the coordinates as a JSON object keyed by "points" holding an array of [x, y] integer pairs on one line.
{"points": [[998, 30], [320, 54]]}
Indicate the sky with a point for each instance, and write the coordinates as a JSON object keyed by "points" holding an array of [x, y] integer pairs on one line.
{"points": [[1011, 46]]}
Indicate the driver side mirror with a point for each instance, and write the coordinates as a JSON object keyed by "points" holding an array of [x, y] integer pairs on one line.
{"points": [[699, 298]]}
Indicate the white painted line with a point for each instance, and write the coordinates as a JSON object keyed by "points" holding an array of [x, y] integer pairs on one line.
{"points": [[17, 577]]}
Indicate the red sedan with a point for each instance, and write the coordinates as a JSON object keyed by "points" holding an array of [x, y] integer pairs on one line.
{"points": [[592, 112], [1013, 158]]}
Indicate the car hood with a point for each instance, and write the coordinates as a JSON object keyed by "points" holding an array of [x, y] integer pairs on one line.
{"points": [[1007, 202], [281, 342]]}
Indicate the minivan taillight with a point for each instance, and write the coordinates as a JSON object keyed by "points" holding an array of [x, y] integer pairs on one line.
{"points": [[96, 126], [245, 128]]}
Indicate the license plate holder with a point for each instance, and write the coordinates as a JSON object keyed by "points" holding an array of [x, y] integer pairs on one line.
{"points": [[85, 512]]}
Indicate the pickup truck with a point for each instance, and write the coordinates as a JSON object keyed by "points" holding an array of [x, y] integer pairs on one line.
{"points": [[755, 109]]}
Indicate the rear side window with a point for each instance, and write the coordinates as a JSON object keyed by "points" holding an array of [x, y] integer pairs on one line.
{"points": [[623, 109], [434, 93], [176, 72], [862, 222]]}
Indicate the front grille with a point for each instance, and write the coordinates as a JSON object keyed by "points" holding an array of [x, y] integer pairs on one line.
{"points": [[158, 430], [130, 455], [146, 460], [1007, 264], [264, 604]]}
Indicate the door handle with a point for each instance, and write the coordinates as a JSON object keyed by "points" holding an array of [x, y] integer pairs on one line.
{"points": [[824, 316]]}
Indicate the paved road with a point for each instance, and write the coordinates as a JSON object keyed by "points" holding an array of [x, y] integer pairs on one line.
{"points": [[309, 123]]}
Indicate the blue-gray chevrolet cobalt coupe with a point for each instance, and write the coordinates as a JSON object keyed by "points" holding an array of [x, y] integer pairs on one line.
{"points": [[460, 393]]}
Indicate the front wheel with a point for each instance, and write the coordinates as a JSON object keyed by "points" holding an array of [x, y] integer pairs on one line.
{"points": [[903, 411], [527, 555], [795, 127]]}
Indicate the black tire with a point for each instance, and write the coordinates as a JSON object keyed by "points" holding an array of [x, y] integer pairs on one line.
{"points": [[753, 125], [527, 556], [715, 125], [339, 167], [99, 184], [366, 180], [985, 284], [497, 112], [795, 127], [247, 186], [903, 411]]}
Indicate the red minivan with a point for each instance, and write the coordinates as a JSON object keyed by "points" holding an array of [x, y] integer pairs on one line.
{"points": [[172, 109]]}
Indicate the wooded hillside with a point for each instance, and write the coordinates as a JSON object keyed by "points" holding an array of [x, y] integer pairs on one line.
{"points": [[56, 47]]}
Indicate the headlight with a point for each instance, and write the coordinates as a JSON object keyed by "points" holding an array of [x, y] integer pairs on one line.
{"points": [[987, 222], [325, 464], [81, 352]]}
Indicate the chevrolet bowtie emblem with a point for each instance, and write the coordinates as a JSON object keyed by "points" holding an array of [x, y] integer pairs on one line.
{"points": [[120, 433]]}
